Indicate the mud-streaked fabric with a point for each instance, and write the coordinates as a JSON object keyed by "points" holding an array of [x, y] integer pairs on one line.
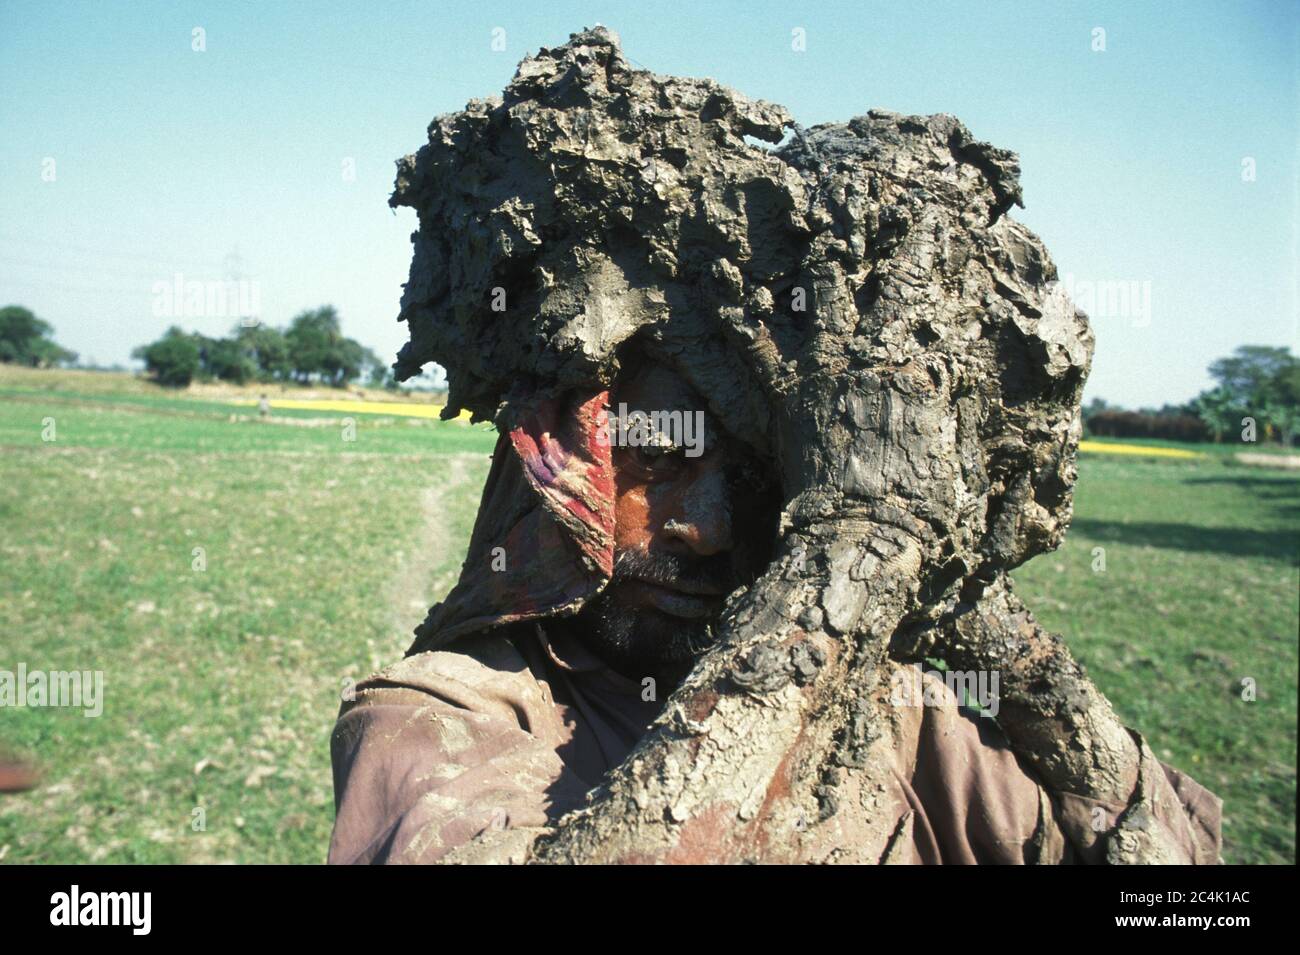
{"points": [[543, 540], [466, 754]]}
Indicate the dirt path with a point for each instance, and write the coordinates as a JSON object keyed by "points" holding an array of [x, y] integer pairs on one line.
{"points": [[417, 583], [1287, 462]]}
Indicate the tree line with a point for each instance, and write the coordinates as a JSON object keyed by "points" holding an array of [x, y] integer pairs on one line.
{"points": [[1257, 391], [312, 349]]}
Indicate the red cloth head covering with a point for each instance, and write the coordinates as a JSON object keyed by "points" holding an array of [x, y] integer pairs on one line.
{"points": [[548, 505]]}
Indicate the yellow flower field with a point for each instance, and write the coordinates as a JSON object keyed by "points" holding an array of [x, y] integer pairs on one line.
{"points": [[1146, 450]]}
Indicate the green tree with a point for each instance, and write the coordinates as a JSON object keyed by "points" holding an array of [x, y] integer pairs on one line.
{"points": [[381, 376], [268, 349], [1247, 372], [311, 338], [173, 360], [347, 360], [1094, 406], [317, 347], [1282, 402], [1220, 411], [1259, 381], [227, 359], [24, 340]]}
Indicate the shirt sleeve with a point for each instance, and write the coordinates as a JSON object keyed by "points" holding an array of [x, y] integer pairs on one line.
{"points": [[977, 803], [1170, 819], [417, 776]]}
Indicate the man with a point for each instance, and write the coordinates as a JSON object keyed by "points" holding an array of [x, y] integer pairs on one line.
{"points": [[469, 751], [892, 391]]}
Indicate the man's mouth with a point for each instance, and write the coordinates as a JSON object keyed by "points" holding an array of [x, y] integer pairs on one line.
{"points": [[685, 599], [693, 587]]}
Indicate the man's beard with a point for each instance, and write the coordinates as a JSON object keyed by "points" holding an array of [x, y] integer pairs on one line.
{"points": [[644, 641]]}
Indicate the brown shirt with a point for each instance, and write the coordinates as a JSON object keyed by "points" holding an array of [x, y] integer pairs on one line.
{"points": [[464, 754]]}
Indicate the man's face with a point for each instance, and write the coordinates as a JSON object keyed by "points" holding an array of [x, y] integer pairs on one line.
{"points": [[694, 520]]}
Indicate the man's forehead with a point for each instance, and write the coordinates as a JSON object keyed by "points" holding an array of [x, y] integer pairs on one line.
{"points": [[659, 384], [652, 386]]}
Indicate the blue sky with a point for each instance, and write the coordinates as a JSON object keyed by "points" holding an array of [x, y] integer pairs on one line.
{"points": [[167, 160]]}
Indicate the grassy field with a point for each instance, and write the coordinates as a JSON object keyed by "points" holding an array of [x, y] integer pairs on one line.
{"points": [[319, 554], [221, 683], [1200, 591]]}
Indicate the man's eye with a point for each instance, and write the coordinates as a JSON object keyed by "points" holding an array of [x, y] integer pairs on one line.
{"points": [[658, 458], [659, 452]]}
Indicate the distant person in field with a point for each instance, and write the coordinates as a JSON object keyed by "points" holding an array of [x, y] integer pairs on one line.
{"points": [[532, 679], [263, 407]]}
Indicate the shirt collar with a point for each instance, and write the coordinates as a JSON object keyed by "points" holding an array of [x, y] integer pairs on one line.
{"points": [[567, 652]]}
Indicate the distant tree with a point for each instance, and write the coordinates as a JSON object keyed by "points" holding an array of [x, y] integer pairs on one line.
{"points": [[1282, 402], [173, 360], [317, 347], [227, 359], [1221, 411], [1170, 411], [311, 339], [347, 360], [1257, 381], [381, 376], [268, 349], [24, 340], [1247, 372], [1095, 406]]}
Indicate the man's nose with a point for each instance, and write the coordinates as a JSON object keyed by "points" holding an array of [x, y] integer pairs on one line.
{"points": [[703, 522]]}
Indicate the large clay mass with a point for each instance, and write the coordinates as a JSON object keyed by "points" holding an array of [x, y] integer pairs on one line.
{"points": [[774, 266], [854, 302]]}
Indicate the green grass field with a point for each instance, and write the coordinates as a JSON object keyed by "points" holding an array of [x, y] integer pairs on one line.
{"points": [[320, 554]]}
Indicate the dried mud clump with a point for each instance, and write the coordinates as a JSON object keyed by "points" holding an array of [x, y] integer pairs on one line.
{"points": [[860, 281]]}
